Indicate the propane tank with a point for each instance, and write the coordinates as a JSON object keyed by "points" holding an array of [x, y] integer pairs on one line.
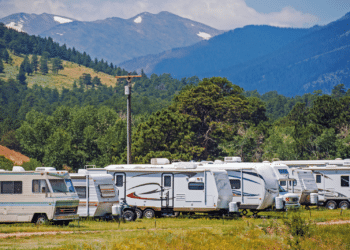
{"points": [[233, 207], [314, 198], [116, 210], [279, 203]]}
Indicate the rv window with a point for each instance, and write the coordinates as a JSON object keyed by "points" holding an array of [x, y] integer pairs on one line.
{"points": [[69, 185], [196, 186], [119, 180], [281, 189], [39, 186], [318, 178], [235, 184], [283, 183], [11, 187], [81, 191], [167, 181], [107, 190], [344, 181], [58, 186], [283, 171]]}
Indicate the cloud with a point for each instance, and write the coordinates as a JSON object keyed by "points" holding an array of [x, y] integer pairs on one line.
{"points": [[223, 14]]}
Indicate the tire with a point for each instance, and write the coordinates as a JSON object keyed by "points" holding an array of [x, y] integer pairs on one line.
{"points": [[149, 213], [331, 205], [129, 215], [41, 219], [344, 205], [138, 213]]}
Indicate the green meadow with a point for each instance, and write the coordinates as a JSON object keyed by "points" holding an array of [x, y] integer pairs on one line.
{"points": [[303, 229]]}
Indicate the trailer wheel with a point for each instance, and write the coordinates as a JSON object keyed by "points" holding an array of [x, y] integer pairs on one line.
{"points": [[344, 205], [129, 215], [138, 213], [331, 205], [41, 219], [148, 213]]}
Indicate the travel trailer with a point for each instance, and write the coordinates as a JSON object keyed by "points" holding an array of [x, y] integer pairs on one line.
{"points": [[97, 194], [333, 186], [255, 186], [37, 196], [166, 189], [317, 163], [304, 185]]}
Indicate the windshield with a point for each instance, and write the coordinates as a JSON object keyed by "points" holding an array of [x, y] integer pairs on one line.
{"points": [[58, 186], [281, 189], [70, 185]]}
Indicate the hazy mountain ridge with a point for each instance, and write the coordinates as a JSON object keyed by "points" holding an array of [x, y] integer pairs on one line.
{"points": [[116, 39], [291, 61]]}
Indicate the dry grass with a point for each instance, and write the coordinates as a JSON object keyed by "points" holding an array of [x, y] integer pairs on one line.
{"points": [[266, 232], [64, 78]]}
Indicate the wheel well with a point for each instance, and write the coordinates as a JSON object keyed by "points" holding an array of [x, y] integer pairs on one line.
{"points": [[35, 216]]}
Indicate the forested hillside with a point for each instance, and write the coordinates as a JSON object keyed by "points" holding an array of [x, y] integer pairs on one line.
{"points": [[84, 123]]}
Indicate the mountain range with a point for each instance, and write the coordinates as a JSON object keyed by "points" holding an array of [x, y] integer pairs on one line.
{"points": [[290, 61], [115, 39]]}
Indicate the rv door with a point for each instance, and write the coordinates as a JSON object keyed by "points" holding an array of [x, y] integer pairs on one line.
{"points": [[120, 183], [167, 196]]}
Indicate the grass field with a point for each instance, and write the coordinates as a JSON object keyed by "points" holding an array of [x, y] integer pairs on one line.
{"points": [[64, 78], [293, 230]]}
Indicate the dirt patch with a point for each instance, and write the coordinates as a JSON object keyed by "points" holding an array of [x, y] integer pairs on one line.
{"points": [[13, 156], [334, 222]]}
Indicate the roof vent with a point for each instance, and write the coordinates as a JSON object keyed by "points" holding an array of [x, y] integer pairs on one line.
{"points": [[159, 161], [18, 169], [218, 162], [186, 165], [233, 159]]}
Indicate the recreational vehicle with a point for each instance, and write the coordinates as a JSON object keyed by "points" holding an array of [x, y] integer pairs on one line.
{"points": [[37, 196], [317, 163], [304, 185], [333, 186], [97, 194], [255, 185], [166, 189]]}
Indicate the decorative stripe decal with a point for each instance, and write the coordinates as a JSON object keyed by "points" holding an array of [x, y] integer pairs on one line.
{"points": [[135, 196]]}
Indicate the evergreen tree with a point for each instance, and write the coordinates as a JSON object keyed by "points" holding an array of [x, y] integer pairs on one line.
{"points": [[27, 66], [96, 81], [44, 69], [35, 63], [1, 67], [56, 65], [6, 55], [21, 77]]}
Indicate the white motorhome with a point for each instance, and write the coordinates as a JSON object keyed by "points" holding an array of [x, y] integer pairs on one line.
{"points": [[37, 196], [255, 185], [97, 194], [167, 189], [333, 186]]}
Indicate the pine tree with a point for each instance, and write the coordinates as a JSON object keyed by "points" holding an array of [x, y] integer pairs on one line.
{"points": [[27, 66], [1, 67], [5, 55], [44, 69], [35, 63], [21, 77], [56, 65]]}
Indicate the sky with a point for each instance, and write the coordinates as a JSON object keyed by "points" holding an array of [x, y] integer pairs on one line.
{"points": [[219, 14]]}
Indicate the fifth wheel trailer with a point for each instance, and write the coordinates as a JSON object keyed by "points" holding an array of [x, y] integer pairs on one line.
{"points": [[165, 189], [37, 196]]}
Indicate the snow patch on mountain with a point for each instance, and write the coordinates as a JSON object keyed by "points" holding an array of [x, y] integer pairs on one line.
{"points": [[204, 35], [62, 19], [138, 20], [16, 26]]}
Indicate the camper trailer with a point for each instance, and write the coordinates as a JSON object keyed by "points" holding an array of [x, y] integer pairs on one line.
{"points": [[97, 194], [255, 186], [303, 184], [333, 186], [316, 163], [165, 189], [37, 196]]}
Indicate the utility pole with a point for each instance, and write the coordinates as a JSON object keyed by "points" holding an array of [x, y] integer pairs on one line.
{"points": [[128, 110]]}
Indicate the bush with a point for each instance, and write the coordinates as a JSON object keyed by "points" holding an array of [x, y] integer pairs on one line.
{"points": [[5, 163], [31, 165]]}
